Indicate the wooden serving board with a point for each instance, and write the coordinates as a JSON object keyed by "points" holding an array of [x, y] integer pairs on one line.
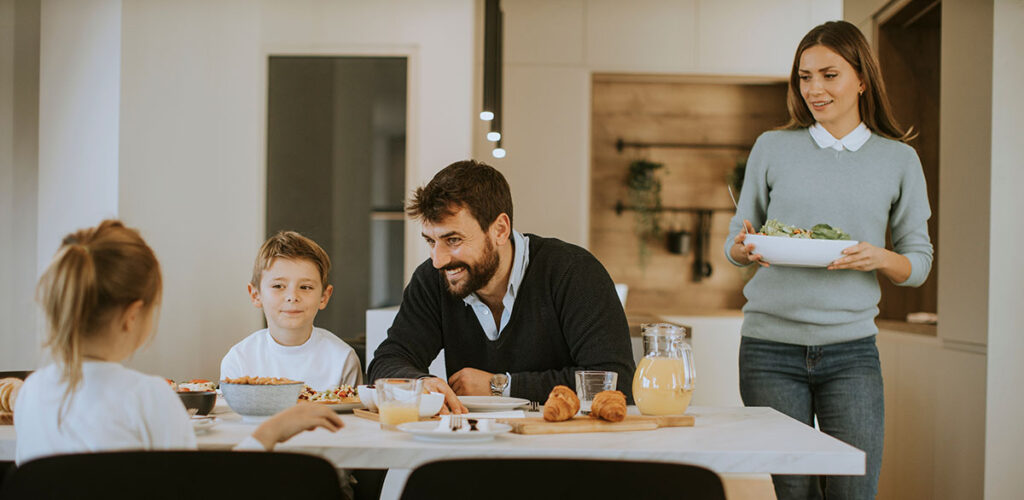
{"points": [[537, 425], [372, 415]]}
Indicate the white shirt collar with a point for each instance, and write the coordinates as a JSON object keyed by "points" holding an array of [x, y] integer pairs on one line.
{"points": [[520, 260], [852, 141]]}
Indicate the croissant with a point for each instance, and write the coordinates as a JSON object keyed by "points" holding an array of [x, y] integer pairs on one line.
{"points": [[609, 405], [8, 393], [562, 404]]}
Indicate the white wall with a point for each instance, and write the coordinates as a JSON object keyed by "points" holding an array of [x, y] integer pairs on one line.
{"points": [[79, 95], [192, 140], [553, 48], [1004, 409]]}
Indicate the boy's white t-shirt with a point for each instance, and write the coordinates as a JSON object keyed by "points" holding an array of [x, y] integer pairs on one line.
{"points": [[114, 408], [322, 362]]}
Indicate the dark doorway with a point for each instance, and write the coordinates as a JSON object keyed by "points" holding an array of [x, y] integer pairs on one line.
{"points": [[909, 46], [336, 129]]}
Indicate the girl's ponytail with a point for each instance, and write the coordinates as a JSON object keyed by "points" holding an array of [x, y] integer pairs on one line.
{"points": [[96, 274], [68, 293]]}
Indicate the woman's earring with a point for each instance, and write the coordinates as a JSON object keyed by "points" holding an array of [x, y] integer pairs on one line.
{"points": [[860, 92]]}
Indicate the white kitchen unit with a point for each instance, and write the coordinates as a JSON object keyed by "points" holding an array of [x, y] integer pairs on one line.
{"points": [[716, 346], [377, 323]]}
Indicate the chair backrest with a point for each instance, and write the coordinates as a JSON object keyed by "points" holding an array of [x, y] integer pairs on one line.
{"points": [[561, 479], [174, 474]]}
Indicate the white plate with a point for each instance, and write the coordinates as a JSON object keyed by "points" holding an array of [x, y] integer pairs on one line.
{"points": [[797, 252], [427, 431], [202, 425], [343, 407], [492, 403]]}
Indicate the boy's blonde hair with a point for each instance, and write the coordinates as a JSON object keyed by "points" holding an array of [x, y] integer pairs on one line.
{"points": [[290, 245], [96, 273]]}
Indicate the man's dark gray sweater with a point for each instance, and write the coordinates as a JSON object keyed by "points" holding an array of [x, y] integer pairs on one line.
{"points": [[566, 317]]}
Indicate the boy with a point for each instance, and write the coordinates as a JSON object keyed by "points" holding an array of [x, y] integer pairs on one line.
{"points": [[289, 282]]}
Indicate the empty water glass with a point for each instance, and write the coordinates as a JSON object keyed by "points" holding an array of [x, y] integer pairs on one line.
{"points": [[590, 382]]}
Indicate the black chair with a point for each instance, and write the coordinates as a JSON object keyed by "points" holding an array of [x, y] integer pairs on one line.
{"points": [[174, 475], [561, 479]]}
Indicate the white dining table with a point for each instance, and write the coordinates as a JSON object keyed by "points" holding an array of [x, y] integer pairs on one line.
{"points": [[732, 441]]}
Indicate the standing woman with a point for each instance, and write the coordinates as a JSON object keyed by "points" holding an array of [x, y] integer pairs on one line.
{"points": [[808, 346]]}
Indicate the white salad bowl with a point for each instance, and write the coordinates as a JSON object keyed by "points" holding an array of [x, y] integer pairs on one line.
{"points": [[368, 396], [430, 403], [797, 252]]}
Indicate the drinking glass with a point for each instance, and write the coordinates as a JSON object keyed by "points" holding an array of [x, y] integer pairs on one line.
{"points": [[398, 401], [591, 382]]}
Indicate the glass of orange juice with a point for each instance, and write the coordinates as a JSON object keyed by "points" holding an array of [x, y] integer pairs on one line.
{"points": [[398, 401]]}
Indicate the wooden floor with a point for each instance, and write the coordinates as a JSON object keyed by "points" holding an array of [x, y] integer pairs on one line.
{"points": [[752, 487]]}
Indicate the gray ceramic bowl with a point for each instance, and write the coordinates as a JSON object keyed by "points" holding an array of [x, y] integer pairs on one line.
{"points": [[203, 402], [260, 400]]}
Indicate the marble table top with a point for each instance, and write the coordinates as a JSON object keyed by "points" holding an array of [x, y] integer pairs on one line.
{"points": [[728, 440]]}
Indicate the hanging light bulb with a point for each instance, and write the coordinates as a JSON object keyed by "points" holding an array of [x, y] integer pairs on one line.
{"points": [[498, 152], [486, 116], [494, 136]]}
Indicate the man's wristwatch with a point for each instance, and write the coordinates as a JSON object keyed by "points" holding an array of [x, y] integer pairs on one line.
{"points": [[499, 381]]}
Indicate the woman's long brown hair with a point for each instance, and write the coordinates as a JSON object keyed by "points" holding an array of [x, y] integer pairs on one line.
{"points": [[96, 274], [846, 40]]}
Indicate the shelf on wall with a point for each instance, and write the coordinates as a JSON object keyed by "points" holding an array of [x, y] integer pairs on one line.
{"points": [[621, 144], [622, 207]]}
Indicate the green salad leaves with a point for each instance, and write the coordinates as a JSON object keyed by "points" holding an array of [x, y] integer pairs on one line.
{"points": [[819, 232]]}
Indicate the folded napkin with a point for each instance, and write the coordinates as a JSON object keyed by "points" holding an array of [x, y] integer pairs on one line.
{"points": [[496, 414]]}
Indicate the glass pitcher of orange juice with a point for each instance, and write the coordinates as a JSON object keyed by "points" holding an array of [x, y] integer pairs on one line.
{"points": [[664, 379]]}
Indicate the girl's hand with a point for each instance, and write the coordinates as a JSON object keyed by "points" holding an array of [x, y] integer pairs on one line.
{"points": [[304, 416], [866, 257], [744, 252]]}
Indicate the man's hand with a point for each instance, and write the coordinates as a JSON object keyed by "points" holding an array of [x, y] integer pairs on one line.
{"points": [[301, 417], [471, 382], [451, 402]]}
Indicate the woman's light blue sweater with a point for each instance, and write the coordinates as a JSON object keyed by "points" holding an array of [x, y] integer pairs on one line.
{"points": [[791, 179]]}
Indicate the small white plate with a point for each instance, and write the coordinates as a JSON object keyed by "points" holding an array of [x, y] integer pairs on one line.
{"points": [[492, 403], [427, 431], [202, 425], [797, 252], [343, 407]]}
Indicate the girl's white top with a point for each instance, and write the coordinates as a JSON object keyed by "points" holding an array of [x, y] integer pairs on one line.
{"points": [[114, 408]]}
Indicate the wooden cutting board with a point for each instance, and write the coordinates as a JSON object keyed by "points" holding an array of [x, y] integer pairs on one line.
{"points": [[537, 425], [372, 415]]}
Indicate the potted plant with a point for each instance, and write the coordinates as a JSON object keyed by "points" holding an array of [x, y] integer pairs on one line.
{"points": [[645, 198]]}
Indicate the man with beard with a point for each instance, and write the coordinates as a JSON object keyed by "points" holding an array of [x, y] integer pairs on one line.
{"points": [[516, 314]]}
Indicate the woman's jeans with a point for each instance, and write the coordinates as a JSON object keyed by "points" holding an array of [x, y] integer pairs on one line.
{"points": [[841, 384]]}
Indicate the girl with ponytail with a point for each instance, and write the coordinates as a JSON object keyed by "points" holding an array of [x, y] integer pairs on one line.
{"points": [[101, 298]]}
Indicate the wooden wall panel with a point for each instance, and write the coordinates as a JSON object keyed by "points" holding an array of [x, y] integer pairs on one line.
{"points": [[672, 109]]}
